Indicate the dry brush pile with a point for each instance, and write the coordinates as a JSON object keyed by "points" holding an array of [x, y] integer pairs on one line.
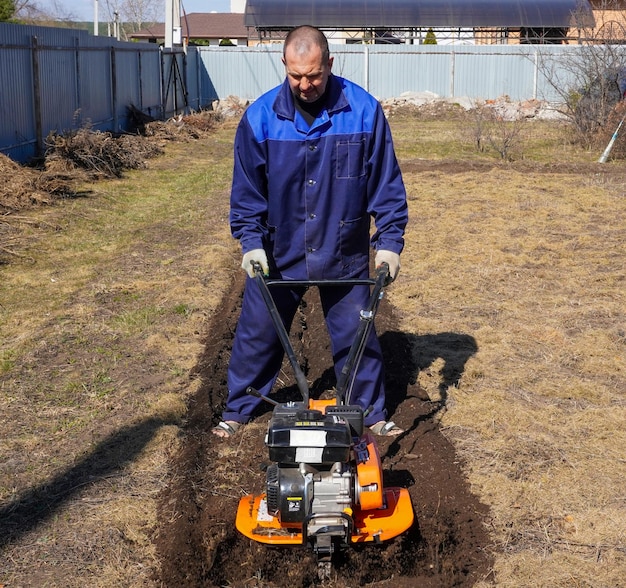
{"points": [[85, 154], [75, 158]]}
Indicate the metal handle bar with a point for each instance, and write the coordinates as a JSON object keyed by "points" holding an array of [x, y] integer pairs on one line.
{"points": [[281, 331], [382, 272], [307, 283], [354, 355], [348, 372]]}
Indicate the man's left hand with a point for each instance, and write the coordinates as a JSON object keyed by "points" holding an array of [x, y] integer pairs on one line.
{"points": [[391, 259]]}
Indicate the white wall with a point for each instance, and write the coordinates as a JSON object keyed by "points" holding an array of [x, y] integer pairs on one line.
{"points": [[238, 6]]}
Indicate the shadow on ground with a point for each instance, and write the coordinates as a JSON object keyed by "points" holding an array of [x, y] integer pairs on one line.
{"points": [[109, 457]]}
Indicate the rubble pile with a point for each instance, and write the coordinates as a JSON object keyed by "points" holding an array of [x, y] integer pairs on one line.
{"points": [[504, 107]]}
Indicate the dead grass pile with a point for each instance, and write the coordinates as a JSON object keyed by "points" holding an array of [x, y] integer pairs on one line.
{"points": [[185, 128], [100, 153], [204, 121], [24, 187]]}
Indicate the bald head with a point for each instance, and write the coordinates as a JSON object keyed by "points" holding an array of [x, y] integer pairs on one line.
{"points": [[304, 39]]}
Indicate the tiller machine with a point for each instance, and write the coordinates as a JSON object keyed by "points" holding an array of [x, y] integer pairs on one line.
{"points": [[324, 488]]}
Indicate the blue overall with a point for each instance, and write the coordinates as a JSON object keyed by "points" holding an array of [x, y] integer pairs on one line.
{"points": [[306, 195]]}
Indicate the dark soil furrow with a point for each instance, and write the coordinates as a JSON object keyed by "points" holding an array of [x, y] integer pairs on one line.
{"points": [[197, 541]]}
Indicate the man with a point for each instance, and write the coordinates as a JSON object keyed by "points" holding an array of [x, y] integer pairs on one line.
{"points": [[314, 163]]}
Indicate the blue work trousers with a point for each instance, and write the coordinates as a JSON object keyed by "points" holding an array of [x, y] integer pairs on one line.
{"points": [[257, 352]]}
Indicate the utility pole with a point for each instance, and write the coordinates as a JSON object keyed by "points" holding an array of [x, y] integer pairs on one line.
{"points": [[173, 32], [116, 25], [96, 24]]}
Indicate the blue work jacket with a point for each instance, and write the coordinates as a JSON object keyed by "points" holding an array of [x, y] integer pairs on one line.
{"points": [[307, 194]]}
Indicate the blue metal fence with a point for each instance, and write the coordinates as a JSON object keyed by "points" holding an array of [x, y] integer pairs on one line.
{"points": [[60, 79], [387, 71], [55, 79]]}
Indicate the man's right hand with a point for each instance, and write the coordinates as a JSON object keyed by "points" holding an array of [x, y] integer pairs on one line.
{"points": [[260, 257]]}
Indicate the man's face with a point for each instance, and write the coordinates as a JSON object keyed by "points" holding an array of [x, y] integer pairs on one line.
{"points": [[307, 73]]}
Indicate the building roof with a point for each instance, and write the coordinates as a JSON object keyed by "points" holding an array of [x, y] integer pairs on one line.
{"points": [[202, 25], [364, 14]]}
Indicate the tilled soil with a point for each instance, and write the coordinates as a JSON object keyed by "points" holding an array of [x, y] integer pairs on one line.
{"points": [[197, 541]]}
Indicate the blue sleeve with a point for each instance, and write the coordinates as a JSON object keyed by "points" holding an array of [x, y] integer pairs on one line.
{"points": [[386, 191], [248, 198]]}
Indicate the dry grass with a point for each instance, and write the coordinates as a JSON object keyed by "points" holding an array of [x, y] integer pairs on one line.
{"points": [[102, 314], [101, 321], [532, 266], [22, 187]]}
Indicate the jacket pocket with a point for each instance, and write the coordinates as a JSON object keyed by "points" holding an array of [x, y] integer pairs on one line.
{"points": [[350, 158], [354, 243]]}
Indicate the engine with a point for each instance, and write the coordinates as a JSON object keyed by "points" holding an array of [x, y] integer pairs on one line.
{"points": [[313, 484]]}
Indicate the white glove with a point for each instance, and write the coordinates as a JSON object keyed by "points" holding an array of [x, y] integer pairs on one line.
{"points": [[260, 257], [391, 259]]}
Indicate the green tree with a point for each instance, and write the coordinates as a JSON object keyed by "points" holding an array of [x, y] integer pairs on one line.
{"points": [[7, 10], [430, 37]]}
